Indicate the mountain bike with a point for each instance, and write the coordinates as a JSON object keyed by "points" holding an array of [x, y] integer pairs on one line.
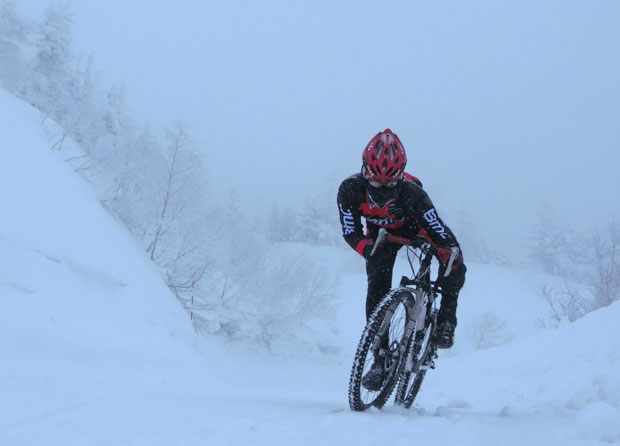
{"points": [[400, 332]]}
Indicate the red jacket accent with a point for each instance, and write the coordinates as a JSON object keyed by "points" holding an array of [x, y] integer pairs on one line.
{"points": [[361, 245], [376, 211]]}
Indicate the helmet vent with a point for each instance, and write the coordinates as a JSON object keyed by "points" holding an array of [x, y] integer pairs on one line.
{"points": [[392, 151], [384, 157], [380, 148]]}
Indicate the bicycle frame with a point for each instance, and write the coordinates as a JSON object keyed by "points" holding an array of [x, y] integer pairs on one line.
{"points": [[423, 290]]}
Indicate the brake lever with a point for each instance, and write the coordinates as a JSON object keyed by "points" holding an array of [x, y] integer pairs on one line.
{"points": [[380, 239], [454, 254]]}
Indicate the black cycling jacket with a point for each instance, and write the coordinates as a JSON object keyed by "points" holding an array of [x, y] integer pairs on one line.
{"points": [[404, 210]]}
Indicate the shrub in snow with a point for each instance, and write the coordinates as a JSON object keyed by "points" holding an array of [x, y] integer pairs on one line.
{"points": [[592, 261], [486, 331], [268, 297], [566, 304]]}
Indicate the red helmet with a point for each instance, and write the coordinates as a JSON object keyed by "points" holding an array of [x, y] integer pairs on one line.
{"points": [[384, 158]]}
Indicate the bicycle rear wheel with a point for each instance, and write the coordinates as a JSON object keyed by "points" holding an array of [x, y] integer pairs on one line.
{"points": [[386, 327]]}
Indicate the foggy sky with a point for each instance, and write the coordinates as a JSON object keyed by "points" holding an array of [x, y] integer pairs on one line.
{"points": [[501, 106]]}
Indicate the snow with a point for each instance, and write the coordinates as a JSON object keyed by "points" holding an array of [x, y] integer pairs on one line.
{"points": [[96, 350]]}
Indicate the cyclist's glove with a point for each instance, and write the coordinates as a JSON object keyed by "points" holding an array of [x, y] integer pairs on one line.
{"points": [[443, 254], [380, 253]]}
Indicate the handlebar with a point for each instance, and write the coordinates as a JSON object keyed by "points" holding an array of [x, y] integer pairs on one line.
{"points": [[384, 236], [417, 242]]}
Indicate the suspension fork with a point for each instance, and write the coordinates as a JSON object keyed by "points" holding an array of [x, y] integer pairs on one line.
{"points": [[376, 345], [385, 324], [415, 324]]}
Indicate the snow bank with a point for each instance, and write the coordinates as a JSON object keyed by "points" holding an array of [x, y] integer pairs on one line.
{"points": [[84, 315], [570, 372]]}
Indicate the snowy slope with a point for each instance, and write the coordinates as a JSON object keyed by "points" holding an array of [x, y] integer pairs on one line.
{"points": [[95, 350], [84, 316], [571, 372]]}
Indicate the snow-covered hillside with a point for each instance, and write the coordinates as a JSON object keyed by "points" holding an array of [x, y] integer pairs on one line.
{"points": [[85, 318], [95, 350]]}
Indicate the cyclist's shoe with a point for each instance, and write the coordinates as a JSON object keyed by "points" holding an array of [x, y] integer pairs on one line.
{"points": [[373, 379], [444, 338]]}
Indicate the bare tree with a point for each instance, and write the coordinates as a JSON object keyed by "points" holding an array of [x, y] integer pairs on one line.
{"points": [[606, 248], [564, 304], [50, 73], [14, 34], [173, 196]]}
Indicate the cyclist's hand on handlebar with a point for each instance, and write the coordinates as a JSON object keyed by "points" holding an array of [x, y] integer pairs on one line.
{"points": [[371, 248], [374, 251], [445, 254]]}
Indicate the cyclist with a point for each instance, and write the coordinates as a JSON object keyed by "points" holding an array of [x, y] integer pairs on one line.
{"points": [[388, 197]]}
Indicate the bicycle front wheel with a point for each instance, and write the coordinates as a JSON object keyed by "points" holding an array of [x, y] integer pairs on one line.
{"points": [[384, 334]]}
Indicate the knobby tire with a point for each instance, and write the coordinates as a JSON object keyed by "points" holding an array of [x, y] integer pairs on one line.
{"points": [[356, 390], [404, 398]]}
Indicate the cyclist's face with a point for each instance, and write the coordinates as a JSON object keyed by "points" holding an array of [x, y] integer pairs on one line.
{"points": [[383, 184], [382, 193]]}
